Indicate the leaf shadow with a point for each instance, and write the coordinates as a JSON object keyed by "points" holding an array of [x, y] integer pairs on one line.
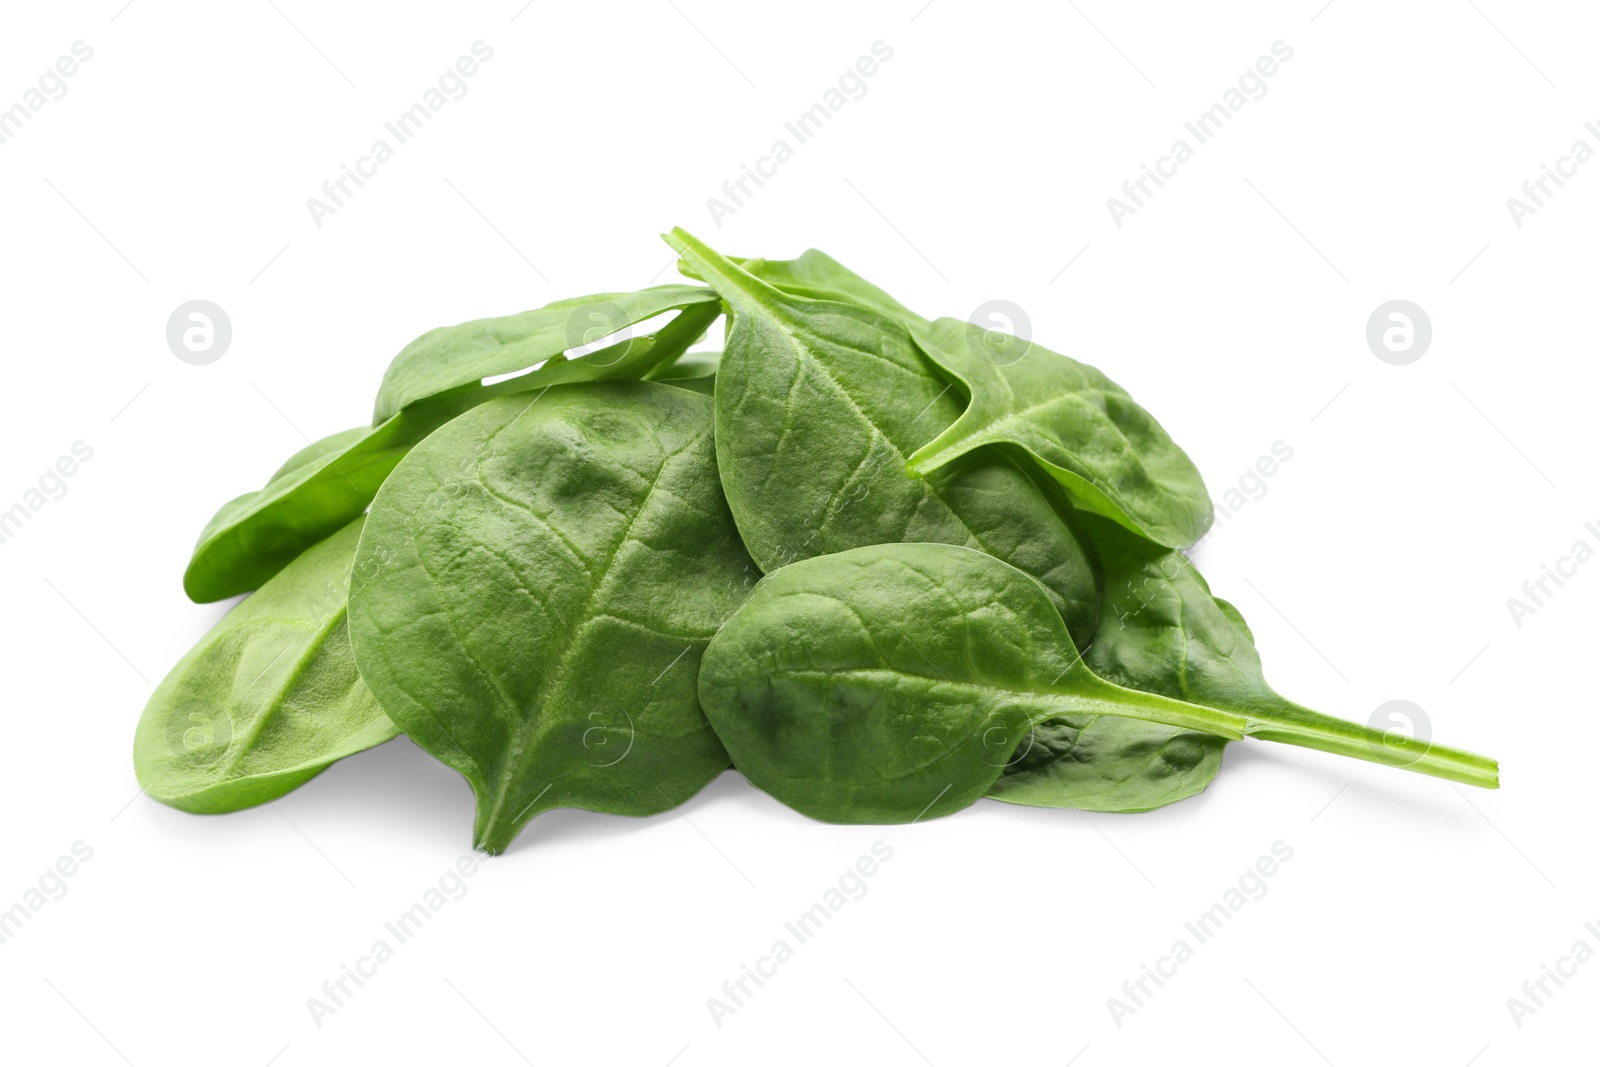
{"points": [[395, 783]]}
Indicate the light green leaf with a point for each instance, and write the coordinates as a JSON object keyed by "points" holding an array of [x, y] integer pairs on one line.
{"points": [[455, 356], [268, 699]]}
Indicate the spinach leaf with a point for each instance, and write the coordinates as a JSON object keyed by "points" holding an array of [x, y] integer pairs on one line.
{"points": [[318, 491], [892, 682], [818, 276], [1081, 427], [1108, 763], [820, 402], [1162, 630], [328, 483], [268, 699], [455, 356], [534, 590]]}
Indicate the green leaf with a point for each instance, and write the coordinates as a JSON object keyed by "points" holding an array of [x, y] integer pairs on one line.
{"points": [[819, 403], [268, 699], [1108, 763], [1163, 631], [318, 491], [1081, 427], [893, 683], [331, 481], [535, 588], [818, 276], [455, 356]]}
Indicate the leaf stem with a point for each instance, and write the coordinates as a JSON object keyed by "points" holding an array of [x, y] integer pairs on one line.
{"points": [[1082, 692], [1295, 725]]}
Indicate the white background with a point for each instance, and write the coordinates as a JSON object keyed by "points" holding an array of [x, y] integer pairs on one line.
{"points": [[1376, 566]]}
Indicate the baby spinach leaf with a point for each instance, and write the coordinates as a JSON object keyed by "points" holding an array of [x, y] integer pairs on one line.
{"points": [[268, 699], [1081, 427], [818, 276], [820, 402], [328, 483], [892, 683], [1162, 630], [455, 356], [534, 590], [318, 491], [1105, 763]]}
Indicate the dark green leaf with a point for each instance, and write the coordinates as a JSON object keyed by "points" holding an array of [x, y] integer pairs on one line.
{"points": [[537, 583], [1081, 427], [331, 481], [1163, 631], [893, 682], [819, 403]]}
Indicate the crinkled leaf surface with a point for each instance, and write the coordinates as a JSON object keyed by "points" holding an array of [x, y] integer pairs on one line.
{"points": [[819, 403], [893, 682], [455, 356], [535, 588], [1082, 428], [1110, 763], [268, 698]]}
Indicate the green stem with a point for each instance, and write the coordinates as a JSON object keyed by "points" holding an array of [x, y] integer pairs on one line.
{"points": [[732, 282], [1084, 693], [1291, 724]]}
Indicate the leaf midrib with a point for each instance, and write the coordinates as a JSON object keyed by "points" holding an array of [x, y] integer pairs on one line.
{"points": [[782, 318], [275, 708], [528, 729]]}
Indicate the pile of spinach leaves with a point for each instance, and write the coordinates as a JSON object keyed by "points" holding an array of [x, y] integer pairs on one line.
{"points": [[880, 570]]}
